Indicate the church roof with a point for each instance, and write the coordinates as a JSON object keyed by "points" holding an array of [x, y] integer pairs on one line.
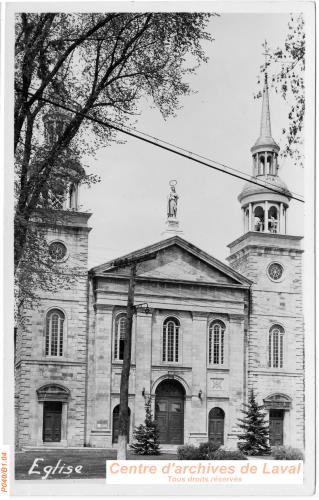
{"points": [[272, 180], [230, 275]]}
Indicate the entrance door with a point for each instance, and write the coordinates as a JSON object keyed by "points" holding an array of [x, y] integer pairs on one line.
{"points": [[276, 427], [52, 419], [169, 412], [116, 419], [216, 426]]}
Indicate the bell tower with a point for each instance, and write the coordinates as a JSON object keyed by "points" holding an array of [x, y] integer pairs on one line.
{"points": [[271, 259], [265, 210]]}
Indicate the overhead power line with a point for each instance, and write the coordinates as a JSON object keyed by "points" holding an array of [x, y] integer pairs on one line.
{"points": [[174, 149]]}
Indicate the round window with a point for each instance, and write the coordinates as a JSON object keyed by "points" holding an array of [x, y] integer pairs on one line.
{"points": [[57, 251], [275, 271]]}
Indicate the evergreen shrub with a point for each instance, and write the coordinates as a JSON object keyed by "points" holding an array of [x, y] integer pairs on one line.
{"points": [[188, 452], [254, 439], [207, 450], [146, 436]]}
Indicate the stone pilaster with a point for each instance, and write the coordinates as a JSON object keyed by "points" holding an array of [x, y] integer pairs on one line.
{"points": [[236, 374], [102, 430], [143, 363], [199, 368]]}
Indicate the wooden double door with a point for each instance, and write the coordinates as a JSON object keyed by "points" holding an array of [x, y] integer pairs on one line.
{"points": [[276, 427], [169, 412], [52, 421]]}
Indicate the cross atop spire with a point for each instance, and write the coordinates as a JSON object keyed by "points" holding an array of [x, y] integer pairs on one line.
{"points": [[265, 138]]}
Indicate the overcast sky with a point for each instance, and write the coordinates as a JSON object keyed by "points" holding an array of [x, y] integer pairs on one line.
{"points": [[220, 121]]}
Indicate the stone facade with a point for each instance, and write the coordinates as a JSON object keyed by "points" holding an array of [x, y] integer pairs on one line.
{"points": [[185, 283], [275, 302], [34, 369], [179, 284]]}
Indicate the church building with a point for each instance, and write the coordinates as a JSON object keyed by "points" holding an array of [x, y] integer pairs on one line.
{"points": [[204, 333]]}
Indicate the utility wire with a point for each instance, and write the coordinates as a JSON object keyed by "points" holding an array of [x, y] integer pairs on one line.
{"points": [[185, 154]]}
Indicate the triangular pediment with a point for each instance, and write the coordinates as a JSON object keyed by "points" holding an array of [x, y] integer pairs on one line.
{"points": [[175, 259]]}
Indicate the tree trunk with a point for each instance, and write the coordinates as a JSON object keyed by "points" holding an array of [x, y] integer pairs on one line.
{"points": [[124, 416], [122, 447]]}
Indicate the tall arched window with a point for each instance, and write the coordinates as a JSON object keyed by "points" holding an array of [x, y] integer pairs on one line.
{"points": [[216, 343], [54, 333], [171, 340], [119, 337], [276, 346]]}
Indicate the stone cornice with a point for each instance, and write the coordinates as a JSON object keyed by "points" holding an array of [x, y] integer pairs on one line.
{"points": [[176, 281], [169, 368], [271, 373], [49, 362], [270, 241], [159, 298]]}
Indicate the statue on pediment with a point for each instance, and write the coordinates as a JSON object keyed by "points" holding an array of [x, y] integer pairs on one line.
{"points": [[172, 201]]}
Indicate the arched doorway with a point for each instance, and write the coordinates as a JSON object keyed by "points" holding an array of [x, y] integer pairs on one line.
{"points": [[54, 398], [278, 405], [216, 426], [169, 411], [115, 426]]}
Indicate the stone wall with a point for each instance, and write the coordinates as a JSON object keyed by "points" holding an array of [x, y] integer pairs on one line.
{"points": [[275, 302], [34, 368]]}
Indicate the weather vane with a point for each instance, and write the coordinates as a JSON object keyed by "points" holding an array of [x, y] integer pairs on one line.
{"points": [[266, 54]]}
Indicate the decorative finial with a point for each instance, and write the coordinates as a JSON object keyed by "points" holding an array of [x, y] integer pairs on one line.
{"points": [[172, 201], [266, 54]]}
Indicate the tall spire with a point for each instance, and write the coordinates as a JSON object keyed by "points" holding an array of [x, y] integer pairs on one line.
{"points": [[265, 138], [265, 126]]}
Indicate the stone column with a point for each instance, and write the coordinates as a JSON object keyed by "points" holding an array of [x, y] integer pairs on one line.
{"points": [[250, 228], [199, 375], [281, 219], [143, 349], [101, 433], [244, 220], [266, 217], [236, 374]]}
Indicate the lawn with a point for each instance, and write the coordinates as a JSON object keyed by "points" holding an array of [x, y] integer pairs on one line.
{"points": [[91, 460]]}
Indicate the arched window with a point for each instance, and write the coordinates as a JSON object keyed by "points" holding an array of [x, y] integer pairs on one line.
{"points": [[119, 337], [259, 219], [216, 343], [276, 346], [171, 340], [54, 333]]}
